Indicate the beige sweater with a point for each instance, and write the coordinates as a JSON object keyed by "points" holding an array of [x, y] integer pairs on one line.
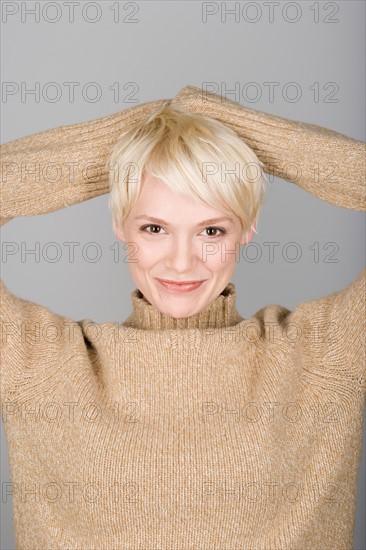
{"points": [[211, 432]]}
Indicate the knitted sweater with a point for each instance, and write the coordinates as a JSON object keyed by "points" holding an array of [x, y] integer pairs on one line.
{"points": [[209, 432]]}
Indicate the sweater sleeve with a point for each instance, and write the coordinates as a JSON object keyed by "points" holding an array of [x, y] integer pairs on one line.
{"points": [[323, 162], [332, 346], [42, 173], [332, 167]]}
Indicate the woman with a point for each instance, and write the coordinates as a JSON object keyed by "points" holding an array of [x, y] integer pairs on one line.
{"points": [[185, 168], [186, 426]]}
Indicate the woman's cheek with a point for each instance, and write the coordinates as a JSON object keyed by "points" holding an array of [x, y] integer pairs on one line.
{"points": [[148, 252]]}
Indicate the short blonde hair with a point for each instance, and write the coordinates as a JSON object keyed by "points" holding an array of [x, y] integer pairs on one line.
{"points": [[196, 156]]}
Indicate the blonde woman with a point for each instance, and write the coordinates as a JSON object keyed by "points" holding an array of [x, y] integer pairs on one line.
{"points": [[188, 450]]}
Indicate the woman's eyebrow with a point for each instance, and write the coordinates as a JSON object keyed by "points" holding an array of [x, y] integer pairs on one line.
{"points": [[205, 222]]}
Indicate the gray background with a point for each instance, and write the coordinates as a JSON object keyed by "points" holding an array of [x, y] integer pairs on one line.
{"points": [[167, 46]]}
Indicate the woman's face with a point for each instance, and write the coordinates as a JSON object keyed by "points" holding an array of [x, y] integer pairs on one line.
{"points": [[169, 239]]}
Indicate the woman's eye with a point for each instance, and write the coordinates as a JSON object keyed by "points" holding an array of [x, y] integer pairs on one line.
{"points": [[151, 225], [223, 231]]}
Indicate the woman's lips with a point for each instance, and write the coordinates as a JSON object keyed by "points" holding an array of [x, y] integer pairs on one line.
{"points": [[179, 287]]}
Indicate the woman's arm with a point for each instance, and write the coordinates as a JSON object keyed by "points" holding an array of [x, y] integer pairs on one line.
{"points": [[329, 165], [47, 171]]}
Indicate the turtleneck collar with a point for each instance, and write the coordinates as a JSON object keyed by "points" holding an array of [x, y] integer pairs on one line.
{"points": [[220, 313]]}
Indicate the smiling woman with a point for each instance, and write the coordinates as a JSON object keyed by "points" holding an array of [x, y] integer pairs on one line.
{"points": [[212, 431], [180, 250], [189, 171]]}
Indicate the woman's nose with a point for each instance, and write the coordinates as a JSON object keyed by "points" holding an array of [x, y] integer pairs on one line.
{"points": [[183, 255]]}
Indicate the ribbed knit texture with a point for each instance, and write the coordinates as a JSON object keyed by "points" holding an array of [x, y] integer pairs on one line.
{"points": [[211, 432]]}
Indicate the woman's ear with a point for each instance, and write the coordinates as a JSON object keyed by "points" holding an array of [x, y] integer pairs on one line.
{"points": [[248, 235], [119, 233]]}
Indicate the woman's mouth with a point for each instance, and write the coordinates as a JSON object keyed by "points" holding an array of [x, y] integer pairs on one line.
{"points": [[179, 287]]}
